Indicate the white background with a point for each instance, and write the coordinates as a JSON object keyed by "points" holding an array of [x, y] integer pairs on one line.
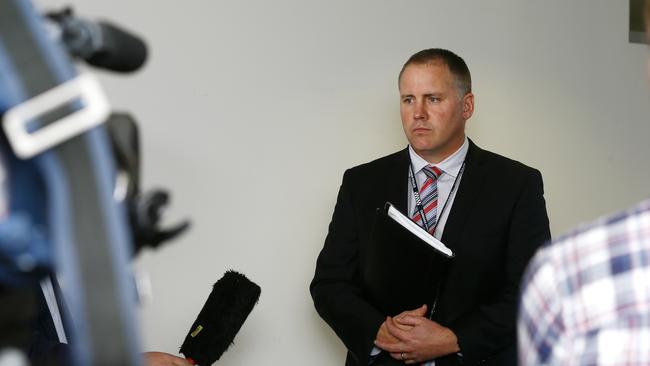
{"points": [[251, 110]]}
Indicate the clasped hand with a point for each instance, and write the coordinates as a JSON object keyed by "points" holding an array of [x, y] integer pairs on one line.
{"points": [[413, 338]]}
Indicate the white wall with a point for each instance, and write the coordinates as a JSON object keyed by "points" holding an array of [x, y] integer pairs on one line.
{"points": [[265, 103]]}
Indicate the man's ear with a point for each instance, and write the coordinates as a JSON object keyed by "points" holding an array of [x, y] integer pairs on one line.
{"points": [[468, 105]]}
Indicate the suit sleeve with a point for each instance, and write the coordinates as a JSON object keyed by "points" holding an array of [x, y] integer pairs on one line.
{"points": [[491, 327], [336, 290]]}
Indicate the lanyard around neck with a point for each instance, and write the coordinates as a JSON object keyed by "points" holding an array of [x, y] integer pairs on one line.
{"points": [[418, 200]]}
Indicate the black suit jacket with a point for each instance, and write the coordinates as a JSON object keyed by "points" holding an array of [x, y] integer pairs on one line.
{"points": [[497, 221]]}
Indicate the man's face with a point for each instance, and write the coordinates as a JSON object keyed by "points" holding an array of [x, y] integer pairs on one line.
{"points": [[433, 111]]}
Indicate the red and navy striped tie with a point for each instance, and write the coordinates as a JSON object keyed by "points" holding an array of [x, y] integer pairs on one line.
{"points": [[429, 197]]}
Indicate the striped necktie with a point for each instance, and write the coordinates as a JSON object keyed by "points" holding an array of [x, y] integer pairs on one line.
{"points": [[429, 197]]}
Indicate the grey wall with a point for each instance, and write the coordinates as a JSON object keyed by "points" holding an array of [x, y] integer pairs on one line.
{"points": [[265, 103]]}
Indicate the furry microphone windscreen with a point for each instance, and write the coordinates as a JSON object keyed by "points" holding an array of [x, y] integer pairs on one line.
{"points": [[231, 300]]}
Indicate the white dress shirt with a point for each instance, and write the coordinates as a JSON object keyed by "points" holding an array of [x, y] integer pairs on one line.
{"points": [[450, 168]]}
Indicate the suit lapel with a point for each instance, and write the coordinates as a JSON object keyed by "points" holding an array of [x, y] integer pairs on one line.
{"points": [[397, 182], [468, 189]]}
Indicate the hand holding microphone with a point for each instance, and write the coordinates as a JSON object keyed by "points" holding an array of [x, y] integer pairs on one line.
{"points": [[164, 359]]}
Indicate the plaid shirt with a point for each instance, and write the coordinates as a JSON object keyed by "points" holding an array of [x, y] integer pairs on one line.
{"points": [[586, 297]]}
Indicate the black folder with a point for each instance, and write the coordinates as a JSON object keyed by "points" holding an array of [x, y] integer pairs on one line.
{"points": [[399, 270]]}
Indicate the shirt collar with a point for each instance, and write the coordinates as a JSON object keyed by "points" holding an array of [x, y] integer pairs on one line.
{"points": [[451, 165]]}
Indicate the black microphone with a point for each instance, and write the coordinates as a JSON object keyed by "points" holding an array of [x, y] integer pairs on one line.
{"points": [[231, 300], [100, 44]]}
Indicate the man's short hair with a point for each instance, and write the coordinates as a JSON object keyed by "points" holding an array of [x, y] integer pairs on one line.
{"points": [[455, 63]]}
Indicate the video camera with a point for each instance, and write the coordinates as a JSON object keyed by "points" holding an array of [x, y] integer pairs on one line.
{"points": [[70, 195]]}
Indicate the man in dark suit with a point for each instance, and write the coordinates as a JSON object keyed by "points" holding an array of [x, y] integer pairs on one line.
{"points": [[488, 209]]}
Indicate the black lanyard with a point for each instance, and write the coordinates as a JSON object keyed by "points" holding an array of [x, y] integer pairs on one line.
{"points": [[418, 201]]}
